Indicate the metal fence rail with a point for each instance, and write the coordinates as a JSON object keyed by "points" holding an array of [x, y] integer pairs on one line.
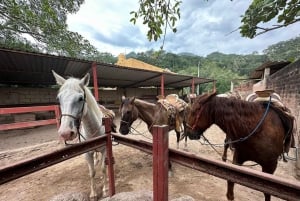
{"points": [[274, 185]]}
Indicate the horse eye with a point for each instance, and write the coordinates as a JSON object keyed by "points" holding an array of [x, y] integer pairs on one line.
{"points": [[80, 99]]}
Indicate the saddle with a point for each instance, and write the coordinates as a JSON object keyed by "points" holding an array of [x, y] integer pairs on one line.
{"points": [[174, 100], [264, 96], [174, 105]]}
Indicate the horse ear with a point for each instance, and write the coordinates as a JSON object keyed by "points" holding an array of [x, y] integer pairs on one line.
{"points": [[132, 100], [59, 79], [85, 80]]}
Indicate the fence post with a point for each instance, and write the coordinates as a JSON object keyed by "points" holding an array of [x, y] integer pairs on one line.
{"points": [[57, 115], [109, 157], [160, 162]]}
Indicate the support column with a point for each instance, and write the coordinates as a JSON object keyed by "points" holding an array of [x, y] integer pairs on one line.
{"points": [[162, 85], [193, 86], [160, 162], [95, 81], [109, 160]]}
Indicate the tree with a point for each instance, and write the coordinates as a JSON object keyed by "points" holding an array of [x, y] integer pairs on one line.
{"points": [[160, 13], [262, 11], [43, 22], [284, 51]]}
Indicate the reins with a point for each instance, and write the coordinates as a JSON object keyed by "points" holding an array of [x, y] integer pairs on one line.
{"points": [[249, 135], [255, 129], [230, 142]]}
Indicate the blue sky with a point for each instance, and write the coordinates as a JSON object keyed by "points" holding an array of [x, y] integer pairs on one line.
{"points": [[204, 27]]}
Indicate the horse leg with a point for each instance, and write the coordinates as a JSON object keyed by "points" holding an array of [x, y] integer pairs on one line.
{"points": [[178, 138], [90, 161], [269, 168], [226, 146], [103, 171], [185, 143], [230, 185], [170, 172]]}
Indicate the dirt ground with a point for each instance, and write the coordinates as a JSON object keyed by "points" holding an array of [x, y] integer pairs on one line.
{"points": [[133, 168]]}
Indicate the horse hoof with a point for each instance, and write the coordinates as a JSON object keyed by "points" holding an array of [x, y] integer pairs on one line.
{"points": [[93, 198]]}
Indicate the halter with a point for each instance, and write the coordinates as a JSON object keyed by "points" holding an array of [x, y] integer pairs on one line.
{"points": [[126, 122], [76, 119]]}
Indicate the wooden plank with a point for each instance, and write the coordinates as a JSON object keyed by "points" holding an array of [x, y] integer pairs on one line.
{"points": [[19, 125], [15, 110]]}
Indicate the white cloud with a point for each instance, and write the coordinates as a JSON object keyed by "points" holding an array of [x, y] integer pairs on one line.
{"points": [[204, 27]]}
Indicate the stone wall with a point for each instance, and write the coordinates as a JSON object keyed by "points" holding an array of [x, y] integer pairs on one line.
{"points": [[286, 82]]}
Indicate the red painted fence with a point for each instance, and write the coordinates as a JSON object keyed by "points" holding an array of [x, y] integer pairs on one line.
{"points": [[18, 110]]}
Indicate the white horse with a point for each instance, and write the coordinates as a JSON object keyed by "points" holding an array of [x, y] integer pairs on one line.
{"points": [[81, 117]]}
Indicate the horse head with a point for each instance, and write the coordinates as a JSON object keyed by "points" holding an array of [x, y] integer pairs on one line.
{"points": [[129, 114], [72, 100], [197, 118]]}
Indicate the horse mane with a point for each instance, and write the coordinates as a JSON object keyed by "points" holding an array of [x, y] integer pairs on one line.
{"points": [[140, 101], [232, 109], [74, 84]]}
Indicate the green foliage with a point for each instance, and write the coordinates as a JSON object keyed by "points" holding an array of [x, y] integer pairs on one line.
{"points": [[262, 11], [284, 51], [157, 14], [43, 22], [218, 66]]}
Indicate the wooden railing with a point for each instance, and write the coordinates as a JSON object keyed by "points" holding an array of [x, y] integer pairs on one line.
{"points": [[26, 124]]}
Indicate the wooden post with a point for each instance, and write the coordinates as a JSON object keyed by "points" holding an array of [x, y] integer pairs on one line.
{"points": [[109, 157], [95, 81], [162, 85], [57, 115], [160, 162], [193, 86]]}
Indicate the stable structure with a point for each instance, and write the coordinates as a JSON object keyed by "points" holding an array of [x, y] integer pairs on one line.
{"points": [[26, 81]]}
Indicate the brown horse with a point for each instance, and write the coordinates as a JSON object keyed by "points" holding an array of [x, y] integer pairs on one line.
{"points": [[151, 113], [259, 132]]}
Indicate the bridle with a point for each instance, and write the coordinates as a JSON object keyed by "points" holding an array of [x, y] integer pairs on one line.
{"points": [[130, 127], [195, 121], [76, 119]]}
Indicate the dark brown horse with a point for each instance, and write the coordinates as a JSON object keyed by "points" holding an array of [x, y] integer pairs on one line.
{"points": [[259, 132]]}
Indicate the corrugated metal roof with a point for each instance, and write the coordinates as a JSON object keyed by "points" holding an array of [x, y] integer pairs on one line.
{"points": [[34, 69]]}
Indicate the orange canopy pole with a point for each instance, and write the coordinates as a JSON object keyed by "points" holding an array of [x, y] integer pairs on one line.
{"points": [[162, 85], [95, 80]]}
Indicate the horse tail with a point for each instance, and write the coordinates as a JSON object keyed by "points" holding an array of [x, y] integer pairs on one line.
{"points": [[288, 121]]}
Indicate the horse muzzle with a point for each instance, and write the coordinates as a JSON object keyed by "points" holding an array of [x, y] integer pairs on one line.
{"points": [[67, 134], [124, 130], [194, 135]]}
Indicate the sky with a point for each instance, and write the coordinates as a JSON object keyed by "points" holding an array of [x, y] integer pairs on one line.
{"points": [[204, 27]]}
